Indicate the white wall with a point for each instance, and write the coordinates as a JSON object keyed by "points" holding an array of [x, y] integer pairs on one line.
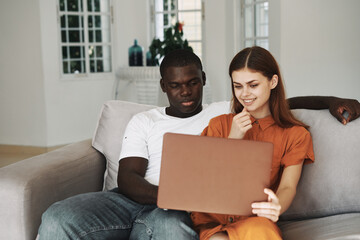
{"points": [[316, 43], [132, 18], [320, 50], [72, 105], [22, 99], [218, 46]]}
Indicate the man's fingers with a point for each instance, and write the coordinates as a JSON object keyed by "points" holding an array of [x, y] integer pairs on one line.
{"points": [[338, 115], [352, 114]]}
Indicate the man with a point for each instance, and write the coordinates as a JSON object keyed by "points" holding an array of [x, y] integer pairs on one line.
{"points": [[130, 212]]}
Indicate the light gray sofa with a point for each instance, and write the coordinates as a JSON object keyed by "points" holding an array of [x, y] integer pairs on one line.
{"points": [[327, 204]]}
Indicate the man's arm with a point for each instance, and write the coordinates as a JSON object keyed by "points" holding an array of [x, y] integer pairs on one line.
{"points": [[337, 106], [131, 181]]}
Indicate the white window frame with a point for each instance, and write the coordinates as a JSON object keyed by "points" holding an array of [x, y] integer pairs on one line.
{"points": [[243, 38], [158, 33], [86, 44]]}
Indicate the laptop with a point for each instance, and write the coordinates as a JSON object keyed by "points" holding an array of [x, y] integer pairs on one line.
{"points": [[213, 175]]}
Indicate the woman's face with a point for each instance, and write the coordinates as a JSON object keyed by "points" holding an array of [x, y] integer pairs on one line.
{"points": [[252, 89]]}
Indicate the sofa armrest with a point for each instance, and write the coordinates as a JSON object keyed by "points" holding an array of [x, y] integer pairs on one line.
{"points": [[29, 187]]}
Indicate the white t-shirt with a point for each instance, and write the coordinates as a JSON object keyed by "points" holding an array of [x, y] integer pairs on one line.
{"points": [[143, 136]]}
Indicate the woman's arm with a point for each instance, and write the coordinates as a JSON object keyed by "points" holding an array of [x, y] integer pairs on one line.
{"points": [[280, 202], [287, 188], [337, 106]]}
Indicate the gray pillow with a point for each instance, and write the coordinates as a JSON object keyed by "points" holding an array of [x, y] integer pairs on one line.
{"points": [[332, 184]]}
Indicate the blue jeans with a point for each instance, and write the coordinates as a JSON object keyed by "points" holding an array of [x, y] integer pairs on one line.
{"points": [[110, 215]]}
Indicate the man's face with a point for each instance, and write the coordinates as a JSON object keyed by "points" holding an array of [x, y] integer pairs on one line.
{"points": [[183, 87]]}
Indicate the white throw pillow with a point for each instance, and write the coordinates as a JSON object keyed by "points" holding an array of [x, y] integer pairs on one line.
{"points": [[109, 134]]}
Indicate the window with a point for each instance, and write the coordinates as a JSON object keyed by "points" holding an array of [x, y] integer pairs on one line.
{"points": [[167, 12], [255, 22], [85, 30]]}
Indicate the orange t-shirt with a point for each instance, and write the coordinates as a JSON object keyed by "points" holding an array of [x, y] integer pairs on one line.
{"points": [[292, 146]]}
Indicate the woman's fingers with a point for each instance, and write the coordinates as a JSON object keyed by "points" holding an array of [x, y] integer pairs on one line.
{"points": [[270, 209], [271, 195]]}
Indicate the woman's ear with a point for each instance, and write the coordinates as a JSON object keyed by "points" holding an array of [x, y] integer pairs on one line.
{"points": [[274, 81]]}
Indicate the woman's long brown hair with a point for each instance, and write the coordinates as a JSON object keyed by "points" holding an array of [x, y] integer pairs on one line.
{"points": [[260, 60]]}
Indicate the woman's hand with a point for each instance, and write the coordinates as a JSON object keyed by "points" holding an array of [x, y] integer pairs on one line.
{"points": [[240, 125], [270, 209]]}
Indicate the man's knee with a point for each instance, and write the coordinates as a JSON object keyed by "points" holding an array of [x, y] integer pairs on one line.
{"points": [[52, 221], [173, 217]]}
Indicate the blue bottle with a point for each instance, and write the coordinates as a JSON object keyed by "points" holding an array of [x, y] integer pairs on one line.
{"points": [[135, 55]]}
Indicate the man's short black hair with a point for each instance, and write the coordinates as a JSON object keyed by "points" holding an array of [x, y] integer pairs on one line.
{"points": [[179, 58]]}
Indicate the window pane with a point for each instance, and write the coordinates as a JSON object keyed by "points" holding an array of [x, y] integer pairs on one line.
{"points": [[263, 43], [91, 52], [99, 66], [105, 36], [189, 4], [72, 31], [66, 67], [64, 36], [96, 66], [63, 21], [169, 5], [261, 11], [197, 47], [249, 43], [98, 35], [91, 36], [75, 21], [187, 11], [169, 20], [76, 52], [92, 66], [192, 25], [96, 23], [100, 58], [99, 51], [75, 36], [62, 5], [65, 52], [249, 25], [74, 5], [98, 5], [107, 65], [77, 66], [159, 6]]}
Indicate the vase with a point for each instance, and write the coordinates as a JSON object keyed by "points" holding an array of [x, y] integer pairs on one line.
{"points": [[135, 55]]}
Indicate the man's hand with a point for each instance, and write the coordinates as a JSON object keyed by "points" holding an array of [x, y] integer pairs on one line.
{"points": [[338, 106]]}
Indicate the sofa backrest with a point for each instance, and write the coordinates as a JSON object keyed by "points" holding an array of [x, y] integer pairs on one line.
{"points": [[331, 185]]}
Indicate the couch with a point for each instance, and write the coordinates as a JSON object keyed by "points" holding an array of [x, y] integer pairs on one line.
{"points": [[326, 206]]}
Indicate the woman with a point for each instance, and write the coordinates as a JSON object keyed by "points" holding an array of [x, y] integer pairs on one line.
{"points": [[260, 113]]}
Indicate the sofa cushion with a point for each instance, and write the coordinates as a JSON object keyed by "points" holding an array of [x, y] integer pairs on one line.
{"points": [[330, 185], [337, 227], [109, 132]]}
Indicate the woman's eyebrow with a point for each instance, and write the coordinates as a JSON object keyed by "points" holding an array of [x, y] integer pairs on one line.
{"points": [[251, 81]]}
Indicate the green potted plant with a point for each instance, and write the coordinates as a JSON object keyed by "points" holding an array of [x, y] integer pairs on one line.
{"points": [[173, 39]]}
